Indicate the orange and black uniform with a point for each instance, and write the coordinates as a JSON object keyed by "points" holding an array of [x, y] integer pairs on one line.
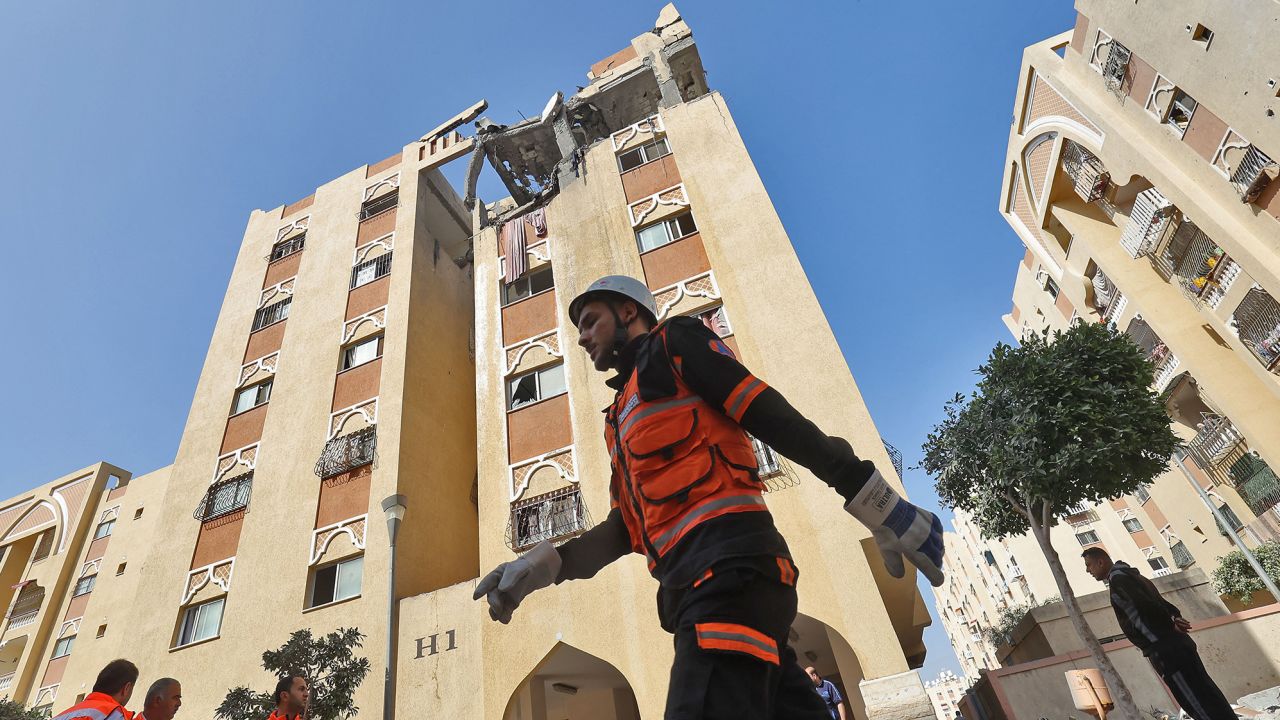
{"points": [[277, 715], [686, 494], [95, 706]]}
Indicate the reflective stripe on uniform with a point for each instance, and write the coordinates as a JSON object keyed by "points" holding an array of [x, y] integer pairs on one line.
{"points": [[735, 406], [700, 513], [76, 713], [737, 638], [786, 571], [644, 412]]}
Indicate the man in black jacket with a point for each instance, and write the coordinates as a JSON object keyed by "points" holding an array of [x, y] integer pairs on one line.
{"points": [[1156, 627]]}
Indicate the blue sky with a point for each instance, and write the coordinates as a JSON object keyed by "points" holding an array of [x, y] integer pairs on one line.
{"points": [[137, 137]]}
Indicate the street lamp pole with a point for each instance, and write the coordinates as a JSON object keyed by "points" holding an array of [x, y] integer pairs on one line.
{"points": [[393, 507]]}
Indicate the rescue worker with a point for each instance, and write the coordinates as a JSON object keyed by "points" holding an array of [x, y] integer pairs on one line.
{"points": [[111, 692], [685, 492], [162, 700], [292, 696]]}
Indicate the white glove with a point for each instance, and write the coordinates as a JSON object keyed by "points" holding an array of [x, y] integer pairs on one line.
{"points": [[508, 584], [899, 529]]}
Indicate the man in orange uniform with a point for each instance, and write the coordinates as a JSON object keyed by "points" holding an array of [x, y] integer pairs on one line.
{"points": [[111, 692], [291, 697], [685, 492]]}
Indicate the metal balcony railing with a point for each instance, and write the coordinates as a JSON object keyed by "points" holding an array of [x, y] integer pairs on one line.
{"points": [[1256, 482], [379, 205], [1164, 364], [1115, 70], [285, 248], [6, 680], [1253, 174], [1257, 322], [1215, 441], [347, 452], [555, 516], [1151, 220], [370, 270], [225, 497], [271, 314], [774, 472], [1181, 555], [895, 456], [1088, 174]]}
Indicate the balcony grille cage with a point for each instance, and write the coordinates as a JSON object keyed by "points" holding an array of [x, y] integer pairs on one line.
{"points": [[895, 456], [1256, 482], [285, 248], [1257, 322], [1115, 72], [1181, 556], [1089, 176], [271, 314], [555, 516], [348, 452], [379, 205], [225, 497], [1253, 174], [1149, 223], [370, 270]]}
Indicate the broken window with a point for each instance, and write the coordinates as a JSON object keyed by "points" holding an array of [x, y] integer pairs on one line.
{"points": [[648, 152], [1180, 111], [667, 231], [715, 320], [532, 283], [537, 385]]}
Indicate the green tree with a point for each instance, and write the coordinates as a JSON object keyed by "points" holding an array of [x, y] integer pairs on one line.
{"points": [[1235, 576], [329, 664], [1054, 423], [1009, 618], [10, 710]]}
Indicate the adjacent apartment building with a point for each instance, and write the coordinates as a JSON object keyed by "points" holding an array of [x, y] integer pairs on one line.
{"points": [[389, 335], [1140, 177]]}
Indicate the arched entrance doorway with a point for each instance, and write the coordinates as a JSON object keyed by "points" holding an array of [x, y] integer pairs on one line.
{"points": [[818, 645], [570, 684]]}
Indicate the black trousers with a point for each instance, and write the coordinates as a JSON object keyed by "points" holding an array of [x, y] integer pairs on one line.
{"points": [[732, 659], [1177, 662]]}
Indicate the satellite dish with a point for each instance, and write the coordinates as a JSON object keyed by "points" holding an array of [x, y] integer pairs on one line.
{"points": [[552, 104]]}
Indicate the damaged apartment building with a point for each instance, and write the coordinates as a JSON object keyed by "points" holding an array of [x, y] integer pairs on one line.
{"points": [[389, 335]]}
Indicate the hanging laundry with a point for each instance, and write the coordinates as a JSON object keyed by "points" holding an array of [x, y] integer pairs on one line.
{"points": [[516, 249], [538, 219]]}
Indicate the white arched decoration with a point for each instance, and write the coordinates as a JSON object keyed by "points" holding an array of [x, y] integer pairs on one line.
{"points": [[366, 409], [355, 528], [377, 317], [246, 457], [219, 573], [299, 224], [563, 461], [515, 352], [392, 181], [703, 285]]}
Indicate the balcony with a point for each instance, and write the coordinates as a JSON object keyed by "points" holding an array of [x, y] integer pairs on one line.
{"points": [[1181, 555], [1256, 482], [1089, 176], [225, 497], [1253, 174], [6, 681], [26, 608], [378, 205], [1151, 221], [555, 516], [1115, 70], [895, 456], [1164, 364], [347, 452], [1217, 446], [1257, 323]]}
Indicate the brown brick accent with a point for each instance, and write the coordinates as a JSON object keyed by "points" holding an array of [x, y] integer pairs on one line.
{"points": [[218, 539], [302, 204], [1064, 305], [282, 269], [1027, 258], [1016, 313], [357, 384], [244, 429], [265, 341], [343, 496], [1269, 200], [529, 317], [675, 261], [381, 165], [376, 226], [1205, 132], [97, 549], [613, 61], [1079, 33], [369, 296], [649, 178], [53, 671], [539, 428], [76, 607], [1140, 77]]}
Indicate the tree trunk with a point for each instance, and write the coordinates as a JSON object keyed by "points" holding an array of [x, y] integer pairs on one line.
{"points": [[1124, 705]]}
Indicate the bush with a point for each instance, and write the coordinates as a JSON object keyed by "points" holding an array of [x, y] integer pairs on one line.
{"points": [[1234, 576], [1009, 618]]}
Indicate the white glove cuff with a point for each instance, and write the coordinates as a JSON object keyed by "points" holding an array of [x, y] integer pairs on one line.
{"points": [[874, 501], [545, 561]]}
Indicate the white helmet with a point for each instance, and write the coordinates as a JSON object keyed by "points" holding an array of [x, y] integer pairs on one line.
{"points": [[624, 287]]}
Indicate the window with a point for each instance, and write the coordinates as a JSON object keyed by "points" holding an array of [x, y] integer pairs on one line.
{"points": [[225, 497], [370, 270], [1051, 287], [1231, 518], [251, 397], [1157, 563], [1132, 525], [201, 622], [63, 647], [1088, 537], [535, 386], [271, 314], [335, 582], [1180, 111], [104, 529], [636, 157], [1202, 35], [120, 568], [1181, 555], [287, 247], [1142, 494], [347, 452], [989, 556], [102, 631], [531, 283], [667, 231], [137, 513], [359, 353], [84, 585], [715, 320], [379, 205], [44, 546]]}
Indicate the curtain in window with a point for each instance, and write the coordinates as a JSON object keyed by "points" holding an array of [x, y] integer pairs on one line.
{"points": [[515, 248]]}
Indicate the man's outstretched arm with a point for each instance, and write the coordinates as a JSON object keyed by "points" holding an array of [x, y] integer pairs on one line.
{"points": [[585, 555], [900, 528]]}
